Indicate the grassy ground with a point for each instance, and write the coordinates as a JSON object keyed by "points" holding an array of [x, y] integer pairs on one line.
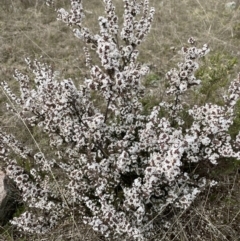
{"points": [[29, 29]]}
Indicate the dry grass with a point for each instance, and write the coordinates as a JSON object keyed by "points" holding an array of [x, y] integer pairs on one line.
{"points": [[29, 29]]}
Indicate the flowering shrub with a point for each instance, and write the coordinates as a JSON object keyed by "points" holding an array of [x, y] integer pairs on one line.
{"points": [[117, 169]]}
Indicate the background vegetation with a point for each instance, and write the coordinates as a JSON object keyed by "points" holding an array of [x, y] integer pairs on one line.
{"points": [[29, 29]]}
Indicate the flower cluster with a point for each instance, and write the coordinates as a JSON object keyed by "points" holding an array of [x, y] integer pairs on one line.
{"points": [[35, 193], [116, 168], [181, 79]]}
